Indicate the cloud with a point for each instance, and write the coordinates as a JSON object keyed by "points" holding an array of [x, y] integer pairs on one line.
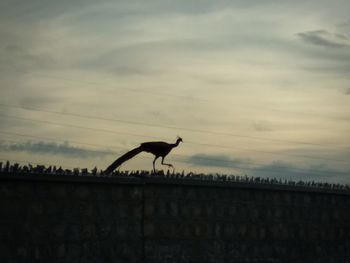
{"points": [[275, 169], [325, 39], [52, 148], [286, 170], [262, 126], [215, 160], [89, 58], [16, 58], [347, 92], [37, 101]]}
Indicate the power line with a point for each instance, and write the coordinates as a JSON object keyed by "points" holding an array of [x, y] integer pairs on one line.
{"points": [[99, 145], [128, 89], [167, 95], [230, 162], [253, 165], [78, 127], [278, 170], [201, 144], [51, 139], [167, 127]]}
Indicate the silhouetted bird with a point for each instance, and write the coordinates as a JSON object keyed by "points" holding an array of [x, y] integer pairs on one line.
{"points": [[158, 149]]}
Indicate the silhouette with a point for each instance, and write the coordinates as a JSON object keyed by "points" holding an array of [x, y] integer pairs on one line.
{"points": [[158, 149]]}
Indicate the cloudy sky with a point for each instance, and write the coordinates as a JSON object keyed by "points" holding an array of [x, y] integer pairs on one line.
{"points": [[253, 87]]}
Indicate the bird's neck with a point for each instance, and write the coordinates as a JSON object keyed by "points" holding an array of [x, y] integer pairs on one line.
{"points": [[176, 144]]}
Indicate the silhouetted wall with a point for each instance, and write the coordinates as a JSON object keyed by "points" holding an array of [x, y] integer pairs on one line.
{"points": [[48, 218]]}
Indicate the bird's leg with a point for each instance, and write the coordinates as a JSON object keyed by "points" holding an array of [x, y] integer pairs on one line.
{"points": [[168, 164], [154, 161]]}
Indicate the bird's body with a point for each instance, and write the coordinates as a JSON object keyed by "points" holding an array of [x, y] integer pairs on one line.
{"points": [[158, 149]]}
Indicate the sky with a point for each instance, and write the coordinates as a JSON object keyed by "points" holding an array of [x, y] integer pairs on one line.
{"points": [[257, 88]]}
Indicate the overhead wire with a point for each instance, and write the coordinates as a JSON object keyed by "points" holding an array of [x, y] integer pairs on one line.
{"points": [[167, 126], [186, 159], [202, 100], [152, 137], [275, 169]]}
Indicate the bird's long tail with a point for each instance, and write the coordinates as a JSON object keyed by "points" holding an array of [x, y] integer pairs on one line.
{"points": [[123, 159]]}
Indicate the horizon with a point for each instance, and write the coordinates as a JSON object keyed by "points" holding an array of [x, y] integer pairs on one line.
{"points": [[254, 88]]}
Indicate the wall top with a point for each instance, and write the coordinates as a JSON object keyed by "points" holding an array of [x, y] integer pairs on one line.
{"points": [[162, 179]]}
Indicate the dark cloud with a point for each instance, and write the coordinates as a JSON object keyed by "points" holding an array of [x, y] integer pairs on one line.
{"points": [[345, 25], [52, 148], [285, 170], [347, 92], [275, 169], [340, 36], [16, 58], [37, 101], [215, 160], [25, 11], [21, 10], [325, 39], [262, 126], [333, 59]]}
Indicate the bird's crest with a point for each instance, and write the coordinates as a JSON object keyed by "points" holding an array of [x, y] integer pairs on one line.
{"points": [[179, 138]]}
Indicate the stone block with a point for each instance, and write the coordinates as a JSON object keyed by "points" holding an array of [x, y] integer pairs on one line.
{"points": [[209, 210], [149, 208], [88, 231], [229, 231], [6, 251], [149, 229], [102, 194], [135, 193], [58, 232], [136, 211], [261, 232], [37, 233], [41, 253], [59, 251], [7, 190], [59, 191], [232, 211], [21, 252], [191, 194], [12, 209], [161, 208], [218, 230], [186, 211], [121, 210], [27, 190], [82, 192], [122, 231], [72, 252], [117, 194], [7, 231], [197, 210], [174, 208], [73, 232]]}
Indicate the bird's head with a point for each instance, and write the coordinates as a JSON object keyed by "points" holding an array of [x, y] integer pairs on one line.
{"points": [[179, 139]]}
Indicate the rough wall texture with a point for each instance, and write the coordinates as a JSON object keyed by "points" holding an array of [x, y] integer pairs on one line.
{"points": [[77, 219]]}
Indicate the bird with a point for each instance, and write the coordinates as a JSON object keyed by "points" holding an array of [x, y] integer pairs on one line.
{"points": [[158, 149]]}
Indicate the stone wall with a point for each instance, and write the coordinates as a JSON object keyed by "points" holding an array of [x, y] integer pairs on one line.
{"points": [[95, 219], [70, 221], [211, 224]]}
